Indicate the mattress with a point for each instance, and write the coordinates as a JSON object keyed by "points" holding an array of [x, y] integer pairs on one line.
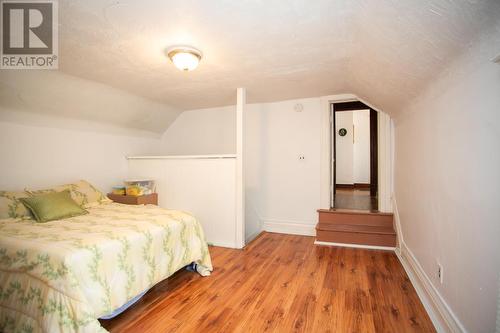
{"points": [[60, 276]]}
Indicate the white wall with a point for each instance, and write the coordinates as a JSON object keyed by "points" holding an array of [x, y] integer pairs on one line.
{"points": [[281, 190], [205, 187], [361, 147], [344, 155], [54, 93], [353, 150], [447, 182], [203, 131], [56, 128], [37, 156]]}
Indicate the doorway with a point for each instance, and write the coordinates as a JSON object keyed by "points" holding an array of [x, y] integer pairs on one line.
{"points": [[354, 156]]}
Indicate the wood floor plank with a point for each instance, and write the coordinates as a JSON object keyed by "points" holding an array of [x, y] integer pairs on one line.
{"points": [[283, 283]]}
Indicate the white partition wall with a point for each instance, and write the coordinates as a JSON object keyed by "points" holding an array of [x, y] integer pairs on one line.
{"points": [[240, 172], [204, 185]]}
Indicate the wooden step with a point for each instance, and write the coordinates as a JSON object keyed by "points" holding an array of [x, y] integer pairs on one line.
{"points": [[348, 217], [365, 229], [356, 227]]}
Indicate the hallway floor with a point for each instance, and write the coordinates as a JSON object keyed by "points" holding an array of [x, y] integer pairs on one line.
{"points": [[357, 199]]}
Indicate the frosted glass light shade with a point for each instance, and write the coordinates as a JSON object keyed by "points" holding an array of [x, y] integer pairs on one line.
{"points": [[186, 59]]}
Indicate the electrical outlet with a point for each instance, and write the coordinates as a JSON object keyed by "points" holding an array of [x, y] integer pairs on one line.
{"points": [[302, 157], [440, 272]]}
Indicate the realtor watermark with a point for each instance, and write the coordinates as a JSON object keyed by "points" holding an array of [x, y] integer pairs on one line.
{"points": [[29, 34]]}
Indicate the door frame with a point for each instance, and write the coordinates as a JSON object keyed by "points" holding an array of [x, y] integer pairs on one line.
{"points": [[385, 152], [374, 153], [354, 106]]}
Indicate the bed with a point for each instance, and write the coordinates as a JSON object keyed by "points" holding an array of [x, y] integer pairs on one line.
{"points": [[61, 276]]}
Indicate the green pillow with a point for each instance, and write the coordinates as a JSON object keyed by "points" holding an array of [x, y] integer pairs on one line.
{"points": [[53, 206]]}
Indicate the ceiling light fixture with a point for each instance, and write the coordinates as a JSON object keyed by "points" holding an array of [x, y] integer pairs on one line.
{"points": [[184, 57]]}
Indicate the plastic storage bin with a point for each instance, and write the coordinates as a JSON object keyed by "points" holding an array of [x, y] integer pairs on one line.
{"points": [[139, 186]]}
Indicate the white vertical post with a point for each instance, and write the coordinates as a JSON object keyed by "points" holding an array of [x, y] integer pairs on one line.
{"points": [[384, 163], [325, 155], [240, 175]]}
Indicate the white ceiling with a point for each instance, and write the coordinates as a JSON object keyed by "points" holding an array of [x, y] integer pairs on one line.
{"points": [[382, 50]]}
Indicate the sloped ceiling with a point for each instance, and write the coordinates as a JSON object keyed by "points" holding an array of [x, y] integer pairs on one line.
{"points": [[382, 50], [62, 96]]}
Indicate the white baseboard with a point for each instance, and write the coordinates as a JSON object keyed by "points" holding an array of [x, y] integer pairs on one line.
{"points": [[356, 246], [252, 236], [289, 227], [224, 244], [442, 316], [397, 223]]}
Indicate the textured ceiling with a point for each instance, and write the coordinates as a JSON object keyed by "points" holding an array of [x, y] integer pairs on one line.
{"points": [[384, 51]]}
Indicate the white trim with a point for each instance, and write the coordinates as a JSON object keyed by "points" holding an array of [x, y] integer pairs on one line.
{"points": [[240, 171], [442, 316], [324, 171], [252, 236], [289, 227], [397, 223], [228, 245], [385, 139], [439, 311], [357, 246], [180, 157], [384, 162]]}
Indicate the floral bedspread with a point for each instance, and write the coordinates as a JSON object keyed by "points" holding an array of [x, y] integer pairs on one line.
{"points": [[61, 276]]}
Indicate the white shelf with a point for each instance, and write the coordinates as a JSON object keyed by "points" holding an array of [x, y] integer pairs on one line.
{"points": [[179, 157]]}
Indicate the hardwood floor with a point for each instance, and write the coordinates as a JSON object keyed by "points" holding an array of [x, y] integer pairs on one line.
{"points": [[358, 199], [283, 283]]}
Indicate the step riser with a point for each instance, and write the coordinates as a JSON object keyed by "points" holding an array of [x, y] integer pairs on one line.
{"points": [[356, 228], [356, 238], [356, 219]]}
